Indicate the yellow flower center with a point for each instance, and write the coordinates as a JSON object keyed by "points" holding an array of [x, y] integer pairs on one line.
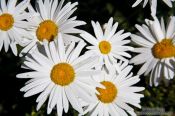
{"points": [[62, 74], [108, 94], [164, 49], [6, 21], [47, 30], [105, 47]]}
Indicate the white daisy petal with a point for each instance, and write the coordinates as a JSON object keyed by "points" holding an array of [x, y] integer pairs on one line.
{"points": [[31, 75], [14, 48], [153, 8], [114, 28], [144, 32], [42, 60], [121, 111], [119, 57], [145, 2], [35, 90], [28, 48], [50, 103], [90, 107], [6, 42], [157, 30], [124, 72], [141, 58], [136, 3], [1, 43], [11, 5], [108, 65], [119, 37], [97, 110], [168, 2], [61, 9], [53, 52], [139, 40], [69, 50], [34, 84], [77, 51], [132, 113], [101, 34], [97, 30], [144, 67], [54, 7], [21, 17], [65, 101], [170, 29], [116, 35], [163, 26], [55, 96], [21, 6], [73, 100], [58, 8], [68, 7], [113, 111], [60, 104], [41, 102], [21, 24], [84, 62], [3, 6], [43, 11], [86, 86], [108, 27], [45, 93], [123, 105], [47, 5], [80, 92], [70, 38], [89, 38], [70, 25], [87, 73], [151, 66], [106, 112], [35, 66], [100, 113], [46, 47]]}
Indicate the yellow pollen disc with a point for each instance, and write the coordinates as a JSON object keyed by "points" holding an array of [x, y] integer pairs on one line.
{"points": [[6, 21], [62, 74], [164, 49], [108, 94], [47, 30], [105, 47]]}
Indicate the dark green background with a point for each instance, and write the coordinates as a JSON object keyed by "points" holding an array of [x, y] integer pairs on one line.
{"points": [[12, 102]]}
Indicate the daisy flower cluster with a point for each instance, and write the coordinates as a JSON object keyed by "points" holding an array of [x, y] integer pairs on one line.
{"points": [[69, 67]]}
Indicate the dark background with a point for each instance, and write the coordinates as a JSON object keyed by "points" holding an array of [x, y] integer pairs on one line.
{"points": [[12, 102]]}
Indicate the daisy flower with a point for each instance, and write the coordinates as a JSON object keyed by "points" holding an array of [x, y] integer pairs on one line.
{"points": [[156, 49], [51, 19], [12, 24], [108, 45], [62, 75], [167, 2], [118, 95]]}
